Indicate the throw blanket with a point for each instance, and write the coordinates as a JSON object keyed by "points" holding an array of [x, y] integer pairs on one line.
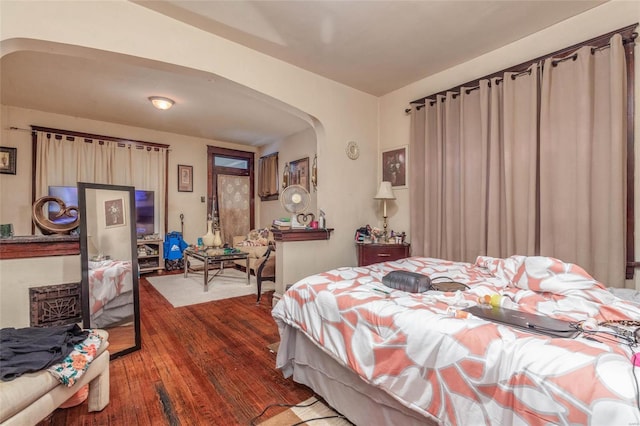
{"points": [[107, 280], [31, 349]]}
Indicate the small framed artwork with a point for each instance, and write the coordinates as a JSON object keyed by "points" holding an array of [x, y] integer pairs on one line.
{"points": [[299, 172], [185, 178], [8, 160], [114, 213], [395, 167]]}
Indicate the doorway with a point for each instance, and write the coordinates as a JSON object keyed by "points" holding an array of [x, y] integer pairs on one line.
{"points": [[230, 191]]}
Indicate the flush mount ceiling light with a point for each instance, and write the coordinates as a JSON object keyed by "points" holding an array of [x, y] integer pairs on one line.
{"points": [[161, 103]]}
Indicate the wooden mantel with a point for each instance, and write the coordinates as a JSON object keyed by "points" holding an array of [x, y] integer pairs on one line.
{"points": [[301, 234], [22, 247]]}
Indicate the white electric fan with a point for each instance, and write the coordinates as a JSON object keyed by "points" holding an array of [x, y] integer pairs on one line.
{"points": [[295, 199]]}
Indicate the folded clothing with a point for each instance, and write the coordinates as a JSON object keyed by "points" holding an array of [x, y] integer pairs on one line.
{"points": [[69, 371], [29, 349]]}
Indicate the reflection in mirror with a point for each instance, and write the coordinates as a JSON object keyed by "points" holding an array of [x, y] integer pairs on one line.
{"points": [[110, 298]]}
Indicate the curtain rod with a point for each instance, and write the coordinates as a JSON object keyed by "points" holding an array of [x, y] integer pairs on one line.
{"points": [[469, 90], [628, 37], [91, 136]]}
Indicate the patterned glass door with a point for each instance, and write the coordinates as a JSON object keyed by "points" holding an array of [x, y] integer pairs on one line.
{"points": [[233, 206], [230, 191]]}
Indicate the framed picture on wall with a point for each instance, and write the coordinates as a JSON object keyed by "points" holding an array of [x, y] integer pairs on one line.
{"points": [[114, 213], [8, 160], [395, 166], [185, 178], [299, 172]]}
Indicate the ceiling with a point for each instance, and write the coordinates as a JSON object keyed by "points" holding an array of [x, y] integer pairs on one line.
{"points": [[372, 46]]}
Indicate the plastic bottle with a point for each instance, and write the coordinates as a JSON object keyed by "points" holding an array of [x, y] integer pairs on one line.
{"points": [[498, 300]]}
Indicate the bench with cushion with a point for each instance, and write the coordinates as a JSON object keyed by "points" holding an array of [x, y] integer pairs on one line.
{"points": [[31, 397]]}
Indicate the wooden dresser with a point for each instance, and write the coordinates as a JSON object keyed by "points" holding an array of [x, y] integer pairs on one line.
{"points": [[375, 253]]}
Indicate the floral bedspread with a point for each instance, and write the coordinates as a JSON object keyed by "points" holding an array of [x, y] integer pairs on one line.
{"points": [[468, 371], [69, 371], [107, 280]]}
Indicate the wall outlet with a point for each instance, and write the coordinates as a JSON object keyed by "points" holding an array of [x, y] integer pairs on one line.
{"points": [[202, 199]]}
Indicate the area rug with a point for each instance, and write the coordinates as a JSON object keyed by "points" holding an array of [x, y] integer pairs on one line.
{"points": [[181, 291], [313, 411]]}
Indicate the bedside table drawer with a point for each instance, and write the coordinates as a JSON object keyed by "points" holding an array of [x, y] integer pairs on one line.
{"points": [[375, 253]]}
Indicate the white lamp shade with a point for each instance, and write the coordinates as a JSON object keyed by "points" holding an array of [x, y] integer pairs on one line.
{"points": [[385, 192]]}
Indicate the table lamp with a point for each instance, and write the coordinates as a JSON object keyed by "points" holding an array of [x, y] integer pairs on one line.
{"points": [[385, 193]]}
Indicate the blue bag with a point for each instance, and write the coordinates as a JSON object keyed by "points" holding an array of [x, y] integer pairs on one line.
{"points": [[174, 245]]}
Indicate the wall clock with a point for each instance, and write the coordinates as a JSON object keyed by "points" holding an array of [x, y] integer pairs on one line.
{"points": [[352, 150]]}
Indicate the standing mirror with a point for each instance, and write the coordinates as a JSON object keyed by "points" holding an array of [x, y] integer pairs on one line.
{"points": [[110, 297]]}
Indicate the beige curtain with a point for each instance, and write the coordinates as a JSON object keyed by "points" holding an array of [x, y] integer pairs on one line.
{"points": [[445, 163], [473, 180], [233, 206], [519, 166], [65, 160], [583, 161], [268, 175], [516, 231]]}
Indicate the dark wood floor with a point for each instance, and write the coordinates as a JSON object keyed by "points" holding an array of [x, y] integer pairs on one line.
{"points": [[204, 364]]}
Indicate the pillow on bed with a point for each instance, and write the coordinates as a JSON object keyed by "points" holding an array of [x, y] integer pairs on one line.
{"points": [[98, 263], [540, 274]]}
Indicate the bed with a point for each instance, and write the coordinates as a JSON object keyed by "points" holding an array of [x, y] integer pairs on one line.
{"points": [[409, 358], [111, 292]]}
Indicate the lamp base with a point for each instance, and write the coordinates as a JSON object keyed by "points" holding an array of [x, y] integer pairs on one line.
{"points": [[385, 235]]}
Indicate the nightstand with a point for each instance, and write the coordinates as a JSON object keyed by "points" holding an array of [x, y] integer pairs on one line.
{"points": [[375, 253]]}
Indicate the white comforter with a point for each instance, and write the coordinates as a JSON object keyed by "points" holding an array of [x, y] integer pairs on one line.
{"points": [[107, 280]]}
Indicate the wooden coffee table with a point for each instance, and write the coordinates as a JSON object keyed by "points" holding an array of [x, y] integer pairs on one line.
{"points": [[214, 261]]}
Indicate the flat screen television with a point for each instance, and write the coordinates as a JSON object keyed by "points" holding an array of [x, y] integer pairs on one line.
{"points": [[145, 213], [69, 195], [145, 207]]}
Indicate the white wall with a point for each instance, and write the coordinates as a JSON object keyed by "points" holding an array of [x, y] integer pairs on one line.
{"points": [[394, 123], [18, 275], [90, 25], [340, 113], [300, 145]]}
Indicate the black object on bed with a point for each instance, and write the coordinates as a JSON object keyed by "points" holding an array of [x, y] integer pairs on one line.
{"points": [[525, 321], [413, 282], [408, 281]]}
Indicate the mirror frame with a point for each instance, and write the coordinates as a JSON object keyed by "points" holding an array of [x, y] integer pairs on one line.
{"points": [[84, 258]]}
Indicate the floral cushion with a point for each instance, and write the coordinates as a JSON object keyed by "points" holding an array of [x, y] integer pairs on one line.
{"points": [[256, 237]]}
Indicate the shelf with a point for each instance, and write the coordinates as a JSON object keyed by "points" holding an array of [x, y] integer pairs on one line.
{"points": [[27, 246], [151, 261]]}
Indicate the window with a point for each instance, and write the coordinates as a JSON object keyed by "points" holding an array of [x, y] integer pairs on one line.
{"points": [[268, 177]]}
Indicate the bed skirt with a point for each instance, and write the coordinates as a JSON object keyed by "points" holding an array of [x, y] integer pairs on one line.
{"points": [[345, 391]]}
